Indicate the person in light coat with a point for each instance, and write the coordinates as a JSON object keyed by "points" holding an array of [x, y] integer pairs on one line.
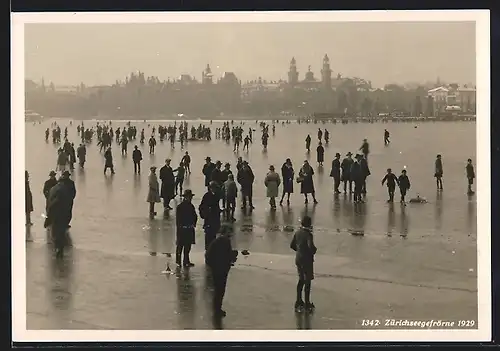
{"points": [[154, 192], [272, 183]]}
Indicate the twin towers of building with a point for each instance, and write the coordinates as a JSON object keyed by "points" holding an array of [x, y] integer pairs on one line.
{"points": [[326, 73]]}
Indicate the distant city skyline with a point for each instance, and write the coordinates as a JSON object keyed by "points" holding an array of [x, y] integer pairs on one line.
{"points": [[380, 52]]}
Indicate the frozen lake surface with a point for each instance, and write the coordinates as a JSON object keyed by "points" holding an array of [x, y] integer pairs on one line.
{"points": [[414, 262]]}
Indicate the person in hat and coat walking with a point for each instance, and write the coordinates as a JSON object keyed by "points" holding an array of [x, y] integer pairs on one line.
{"points": [[210, 211], [207, 170], [272, 183], [219, 258], [335, 173], [154, 192], [306, 182], [49, 184], [287, 173], [185, 220], [167, 184], [346, 171]]}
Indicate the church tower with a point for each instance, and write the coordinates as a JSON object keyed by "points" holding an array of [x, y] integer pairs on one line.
{"points": [[207, 76], [293, 75], [326, 73]]}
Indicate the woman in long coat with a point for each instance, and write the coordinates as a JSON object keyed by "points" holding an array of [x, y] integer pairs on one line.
{"points": [[307, 184], [28, 198], [287, 173], [154, 192], [272, 183]]}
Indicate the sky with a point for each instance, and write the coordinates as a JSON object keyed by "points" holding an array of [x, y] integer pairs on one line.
{"points": [[382, 52]]}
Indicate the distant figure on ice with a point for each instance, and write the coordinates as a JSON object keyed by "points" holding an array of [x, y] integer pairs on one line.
{"points": [[303, 244], [179, 178], [153, 192], [469, 169], [386, 137], [356, 175], [438, 172], [320, 134], [327, 136], [392, 181]]}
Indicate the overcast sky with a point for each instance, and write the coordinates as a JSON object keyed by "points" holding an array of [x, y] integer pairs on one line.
{"points": [[384, 53]]}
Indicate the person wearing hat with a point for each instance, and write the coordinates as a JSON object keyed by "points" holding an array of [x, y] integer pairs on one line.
{"points": [[185, 220], [81, 152], [137, 158], [287, 174], [207, 170], [219, 257], [108, 161], [186, 161], [357, 178], [59, 214], [346, 171], [210, 212], [272, 183], [365, 172], [245, 178], [153, 192], [167, 184], [217, 175], [49, 184], [28, 198], [71, 188], [303, 244], [335, 173], [307, 184], [225, 173]]}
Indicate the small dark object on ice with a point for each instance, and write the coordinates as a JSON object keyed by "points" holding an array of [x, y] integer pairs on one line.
{"points": [[245, 252]]}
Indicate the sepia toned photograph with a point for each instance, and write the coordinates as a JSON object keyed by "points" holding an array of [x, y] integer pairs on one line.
{"points": [[250, 173]]}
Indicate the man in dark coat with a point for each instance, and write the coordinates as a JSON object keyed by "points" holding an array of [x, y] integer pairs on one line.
{"points": [[346, 171], [59, 215], [320, 153], [108, 161], [207, 170], [357, 178], [49, 184], [391, 180], [137, 158], [335, 173], [210, 211], [28, 198], [70, 186], [82, 154], [167, 184], [219, 257], [185, 219], [365, 148], [245, 178]]}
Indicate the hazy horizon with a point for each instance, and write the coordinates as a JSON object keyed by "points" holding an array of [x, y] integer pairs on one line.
{"points": [[381, 52]]}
